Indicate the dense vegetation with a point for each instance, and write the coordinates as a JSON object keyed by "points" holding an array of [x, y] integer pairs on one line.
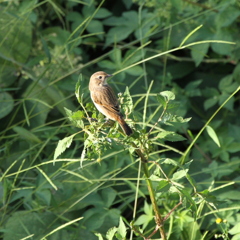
{"points": [[65, 175]]}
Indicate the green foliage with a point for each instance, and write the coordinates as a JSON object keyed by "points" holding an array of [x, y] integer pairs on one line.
{"points": [[66, 172]]}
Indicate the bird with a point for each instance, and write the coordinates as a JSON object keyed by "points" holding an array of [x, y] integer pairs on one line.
{"points": [[105, 99]]}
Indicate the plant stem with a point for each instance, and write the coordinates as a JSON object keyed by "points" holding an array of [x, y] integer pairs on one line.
{"points": [[158, 218]]}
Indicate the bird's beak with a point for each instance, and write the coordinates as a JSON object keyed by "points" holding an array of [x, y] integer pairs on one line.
{"points": [[109, 75]]}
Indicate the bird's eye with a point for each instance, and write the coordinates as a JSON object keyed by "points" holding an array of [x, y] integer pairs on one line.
{"points": [[100, 77]]}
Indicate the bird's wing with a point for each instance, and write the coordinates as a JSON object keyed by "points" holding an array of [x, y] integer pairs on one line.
{"points": [[106, 98]]}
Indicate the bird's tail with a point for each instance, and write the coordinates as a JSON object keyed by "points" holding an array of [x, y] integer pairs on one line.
{"points": [[128, 131]]}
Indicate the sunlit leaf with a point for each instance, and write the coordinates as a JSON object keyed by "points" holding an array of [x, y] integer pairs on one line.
{"points": [[213, 135], [63, 145]]}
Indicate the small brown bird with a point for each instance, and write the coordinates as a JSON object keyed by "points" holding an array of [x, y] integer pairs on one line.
{"points": [[105, 100]]}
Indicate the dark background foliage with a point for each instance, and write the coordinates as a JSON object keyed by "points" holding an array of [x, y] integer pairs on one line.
{"points": [[46, 45]]}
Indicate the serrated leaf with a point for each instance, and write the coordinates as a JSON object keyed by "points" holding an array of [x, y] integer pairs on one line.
{"points": [[171, 161], [99, 235], [78, 115], [76, 119], [213, 135], [63, 145], [122, 230], [127, 102], [110, 233], [68, 112], [161, 99]]}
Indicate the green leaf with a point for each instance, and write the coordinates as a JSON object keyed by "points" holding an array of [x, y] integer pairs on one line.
{"points": [[192, 89], [171, 161], [229, 104], [110, 233], [21, 224], [76, 117], [235, 230], [78, 89], [170, 136], [227, 85], [16, 42], [236, 72], [132, 56], [102, 13], [233, 147], [6, 104], [99, 235], [108, 196], [117, 34], [210, 102], [232, 194], [45, 196], [213, 135], [198, 52], [168, 95], [57, 35], [227, 16], [26, 134], [69, 113], [116, 56], [187, 195], [127, 102], [161, 99], [122, 230], [63, 145], [114, 21], [127, 3], [135, 71], [148, 208], [95, 26], [107, 64], [179, 174], [161, 184], [223, 34], [46, 49]]}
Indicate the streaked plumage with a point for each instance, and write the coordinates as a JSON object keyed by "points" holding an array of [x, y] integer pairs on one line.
{"points": [[105, 99]]}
